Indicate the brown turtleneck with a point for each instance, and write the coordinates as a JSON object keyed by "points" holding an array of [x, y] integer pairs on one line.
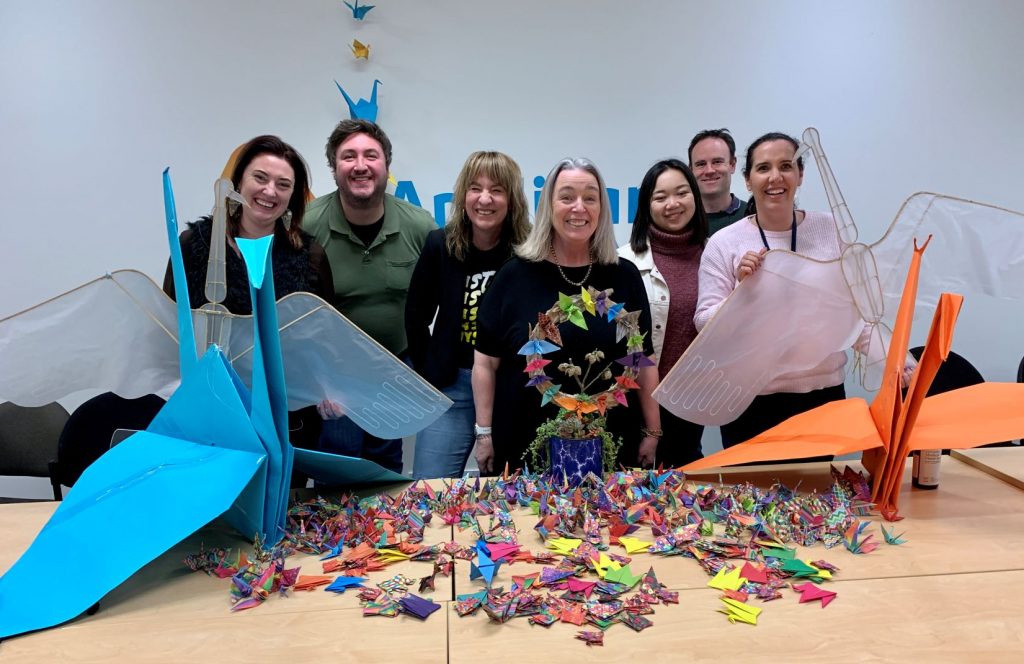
{"points": [[678, 260]]}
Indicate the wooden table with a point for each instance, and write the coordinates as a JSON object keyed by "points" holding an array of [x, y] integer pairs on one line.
{"points": [[1005, 463], [948, 594]]}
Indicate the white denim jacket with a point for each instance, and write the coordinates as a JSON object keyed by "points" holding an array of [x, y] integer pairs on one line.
{"points": [[657, 292]]}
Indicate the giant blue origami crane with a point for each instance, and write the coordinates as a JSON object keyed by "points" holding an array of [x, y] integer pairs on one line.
{"points": [[217, 447]]}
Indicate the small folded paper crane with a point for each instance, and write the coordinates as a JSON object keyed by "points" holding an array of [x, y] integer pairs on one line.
{"points": [[483, 568], [359, 12], [360, 51], [362, 109]]}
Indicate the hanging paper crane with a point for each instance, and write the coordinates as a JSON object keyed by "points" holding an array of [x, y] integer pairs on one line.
{"points": [[359, 12], [360, 51], [362, 109]]}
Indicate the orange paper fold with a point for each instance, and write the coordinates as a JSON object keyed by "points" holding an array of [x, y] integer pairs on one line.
{"points": [[894, 425]]}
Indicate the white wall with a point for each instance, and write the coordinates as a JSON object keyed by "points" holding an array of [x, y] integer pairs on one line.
{"points": [[99, 95]]}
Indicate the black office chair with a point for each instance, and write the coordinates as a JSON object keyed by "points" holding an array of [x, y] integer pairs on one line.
{"points": [[89, 430], [28, 441], [957, 372]]}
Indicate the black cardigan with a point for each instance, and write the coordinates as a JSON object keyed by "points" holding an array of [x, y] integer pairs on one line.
{"points": [[438, 286]]}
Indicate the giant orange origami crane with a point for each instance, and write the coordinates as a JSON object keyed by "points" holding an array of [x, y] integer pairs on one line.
{"points": [[810, 308], [894, 425]]}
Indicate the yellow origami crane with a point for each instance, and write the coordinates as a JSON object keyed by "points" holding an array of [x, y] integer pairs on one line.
{"points": [[727, 579], [563, 545], [360, 50], [738, 611], [634, 545]]}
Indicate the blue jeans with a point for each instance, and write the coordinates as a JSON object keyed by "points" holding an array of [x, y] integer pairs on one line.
{"points": [[343, 436], [443, 448]]}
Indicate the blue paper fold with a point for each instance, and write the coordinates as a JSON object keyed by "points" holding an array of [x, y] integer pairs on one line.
{"points": [[215, 448]]}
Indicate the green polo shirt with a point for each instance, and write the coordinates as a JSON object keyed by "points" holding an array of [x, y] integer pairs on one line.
{"points": [[370, 283]]}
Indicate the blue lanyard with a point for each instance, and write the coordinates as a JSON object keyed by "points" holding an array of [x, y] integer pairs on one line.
{"points": [[792, 230]]}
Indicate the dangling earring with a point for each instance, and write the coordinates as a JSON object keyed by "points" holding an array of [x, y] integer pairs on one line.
{"points": [[286, 219], [232, 207]]}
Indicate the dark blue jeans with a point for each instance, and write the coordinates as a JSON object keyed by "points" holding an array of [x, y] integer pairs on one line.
{"points": [[343, 436], [443, 448]]}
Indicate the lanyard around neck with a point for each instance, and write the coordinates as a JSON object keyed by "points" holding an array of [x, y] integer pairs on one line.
{"points": [[792, 233]]}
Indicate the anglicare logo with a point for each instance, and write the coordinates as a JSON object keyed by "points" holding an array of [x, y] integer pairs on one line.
{"points": [[406, 190]]}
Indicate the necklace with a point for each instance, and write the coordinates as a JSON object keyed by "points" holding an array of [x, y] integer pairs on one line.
{"points": [[792, 233], [590, 266]]}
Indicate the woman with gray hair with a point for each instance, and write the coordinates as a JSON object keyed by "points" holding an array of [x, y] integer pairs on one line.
{"points": [[570, 247]]}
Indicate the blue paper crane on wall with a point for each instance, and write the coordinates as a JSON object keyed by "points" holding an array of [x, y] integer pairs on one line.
{"points": [[359, 12], [217, 447], [362, 109]]}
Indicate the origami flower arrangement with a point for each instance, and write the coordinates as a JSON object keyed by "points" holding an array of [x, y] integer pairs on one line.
{"points": [[581, 415]]}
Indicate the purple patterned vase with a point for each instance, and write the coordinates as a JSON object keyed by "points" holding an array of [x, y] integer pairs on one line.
{"points": [[573, 458]]}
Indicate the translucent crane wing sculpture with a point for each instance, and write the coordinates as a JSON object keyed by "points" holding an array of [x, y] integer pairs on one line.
{"points": [[976, 249], [119, 334], [326, 354], [786, 317], [114, 333]]}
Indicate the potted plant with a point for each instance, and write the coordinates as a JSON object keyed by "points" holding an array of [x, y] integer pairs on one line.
{"points": [[574, 442]]}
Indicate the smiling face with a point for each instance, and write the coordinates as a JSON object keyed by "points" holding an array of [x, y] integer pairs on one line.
{"points": [[713, 167], [361, 171], [576, 207], [774, 177], [672, 203], [486, 204], [267, 185]]}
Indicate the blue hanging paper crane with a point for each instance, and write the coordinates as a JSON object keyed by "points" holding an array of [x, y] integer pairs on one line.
{"points": [[359, 12], [362, 109]]}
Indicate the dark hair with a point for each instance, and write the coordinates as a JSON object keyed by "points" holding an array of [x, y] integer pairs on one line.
{"points": [[771, 136], [642, 222], [273, 145], [722, 133], [348, 128], [749, 164]]}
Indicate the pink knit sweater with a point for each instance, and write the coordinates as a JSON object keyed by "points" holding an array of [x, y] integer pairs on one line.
{"points": [[816, 238]]}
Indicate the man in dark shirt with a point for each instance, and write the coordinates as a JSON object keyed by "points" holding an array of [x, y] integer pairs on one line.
{"points": [[713, 161]]}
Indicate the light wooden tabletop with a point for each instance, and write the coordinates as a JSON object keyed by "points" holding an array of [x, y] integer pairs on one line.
{"points": [[946, 593], [1005, 463]]}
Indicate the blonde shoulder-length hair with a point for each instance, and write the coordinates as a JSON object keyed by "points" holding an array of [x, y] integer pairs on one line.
{"points": [[602, 243], [505, 172]]}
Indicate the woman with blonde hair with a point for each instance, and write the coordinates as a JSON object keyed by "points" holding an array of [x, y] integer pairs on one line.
{"points": [[489, 216], [570, 247]]}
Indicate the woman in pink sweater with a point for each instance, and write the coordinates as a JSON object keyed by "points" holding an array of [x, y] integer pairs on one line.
{"points": [[773, 174]]}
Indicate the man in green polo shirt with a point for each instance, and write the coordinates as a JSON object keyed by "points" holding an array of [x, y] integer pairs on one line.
{"points": [[372, 241]]}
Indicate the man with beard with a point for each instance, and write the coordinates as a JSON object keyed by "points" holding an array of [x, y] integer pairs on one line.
{"points": [[372, 241]]}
